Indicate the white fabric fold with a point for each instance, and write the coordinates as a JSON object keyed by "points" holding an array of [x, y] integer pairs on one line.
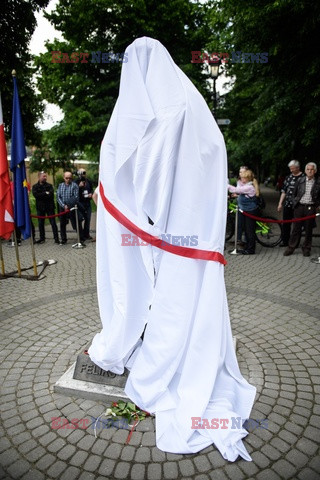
{"points": [[163, 158]]}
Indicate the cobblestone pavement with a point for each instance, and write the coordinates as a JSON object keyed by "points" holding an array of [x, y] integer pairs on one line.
{"points": [[275, 313]]}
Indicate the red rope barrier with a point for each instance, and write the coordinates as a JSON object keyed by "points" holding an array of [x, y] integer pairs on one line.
{"points": [[50, 216], [271, 220]]}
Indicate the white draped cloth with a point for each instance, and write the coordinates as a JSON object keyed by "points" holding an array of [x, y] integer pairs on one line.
{"points": [[163, 157]]}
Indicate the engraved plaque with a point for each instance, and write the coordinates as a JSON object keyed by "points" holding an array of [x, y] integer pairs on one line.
{"points": [[88, 371]]}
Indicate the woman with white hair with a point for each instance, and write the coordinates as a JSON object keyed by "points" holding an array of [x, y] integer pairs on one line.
{"points": [[286, 199]]}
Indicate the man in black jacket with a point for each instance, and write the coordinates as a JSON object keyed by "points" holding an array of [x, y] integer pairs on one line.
{"points": [[44, 195], [306, 199]]}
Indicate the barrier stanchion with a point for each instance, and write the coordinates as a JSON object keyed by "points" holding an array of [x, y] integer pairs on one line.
{"points": [[234, 252], [17, 253], [78, 244], [316, 259]]}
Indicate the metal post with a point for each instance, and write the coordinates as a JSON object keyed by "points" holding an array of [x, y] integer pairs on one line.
{"points": [[33, 256], [214, 98], [3, 271], [234, 252], [17, 252], [78, 244]]}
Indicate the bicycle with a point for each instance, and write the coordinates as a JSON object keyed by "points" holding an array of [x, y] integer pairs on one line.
{"points": [[267, 234]]}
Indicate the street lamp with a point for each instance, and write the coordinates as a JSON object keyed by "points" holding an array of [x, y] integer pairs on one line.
{"points": [[214, 65]]}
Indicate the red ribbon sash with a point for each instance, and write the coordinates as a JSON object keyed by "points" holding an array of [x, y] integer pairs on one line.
{"points": [[156, 241]]}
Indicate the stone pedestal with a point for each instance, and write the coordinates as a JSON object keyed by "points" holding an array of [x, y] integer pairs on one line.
{"points": [[84, 379]]}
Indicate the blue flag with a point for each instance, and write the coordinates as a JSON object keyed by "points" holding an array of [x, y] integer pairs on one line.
{"points": [[17, 166]]}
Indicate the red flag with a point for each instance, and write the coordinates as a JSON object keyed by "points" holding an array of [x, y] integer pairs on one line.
{"points": [[6, 206]]}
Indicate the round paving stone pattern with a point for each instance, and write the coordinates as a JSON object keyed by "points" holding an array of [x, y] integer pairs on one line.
{"points": [[277, 350]]}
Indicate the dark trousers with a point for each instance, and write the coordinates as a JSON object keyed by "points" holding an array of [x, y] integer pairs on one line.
{"points": [[86, 214], [250, 230], [286, 227], [18, 234], [52, 223], [240, 226], [63, 224], [299, 212]]}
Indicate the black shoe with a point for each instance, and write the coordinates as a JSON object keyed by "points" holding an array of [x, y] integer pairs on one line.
{"points": [[89, 238], [245, 252], [283, 244], [56, 240], [39, 241], [287, 252], [306, 254], [63, 242]]}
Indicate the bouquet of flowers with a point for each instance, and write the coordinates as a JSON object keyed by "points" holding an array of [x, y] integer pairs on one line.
{"points": [[127, 410]]}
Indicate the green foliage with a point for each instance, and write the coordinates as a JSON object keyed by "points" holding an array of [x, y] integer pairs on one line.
{"points": [[86, 92], [127, 410], [17, 24], [93, 173], [273, 107], [58, 179], [32, 203], [48, 159]]}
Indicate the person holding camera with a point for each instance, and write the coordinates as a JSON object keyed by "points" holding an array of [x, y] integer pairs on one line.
{"points": [[85, 196]]}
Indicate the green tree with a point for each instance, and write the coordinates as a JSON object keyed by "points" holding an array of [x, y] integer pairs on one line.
{"points": [[86, 92], [274, 106], [17, 24], [44, 159]]}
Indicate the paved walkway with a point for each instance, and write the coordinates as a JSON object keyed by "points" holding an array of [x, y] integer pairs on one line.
{"points": [[275, 314]]}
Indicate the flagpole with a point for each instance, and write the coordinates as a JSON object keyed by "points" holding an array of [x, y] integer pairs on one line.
{"points": [[17, 253], [3, 271], [33, 257], [18, 155], [6, 205]]}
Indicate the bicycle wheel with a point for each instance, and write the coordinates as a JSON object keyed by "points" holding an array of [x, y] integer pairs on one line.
{"points": [[230, 226], [268, 234]]}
